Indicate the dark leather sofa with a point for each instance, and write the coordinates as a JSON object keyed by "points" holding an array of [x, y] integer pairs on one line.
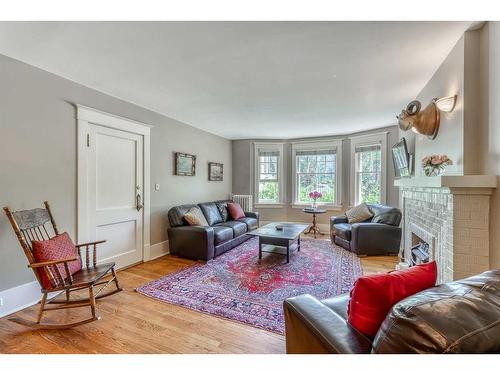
{"points": [[378, 235], [457, 317], [207, 242]]}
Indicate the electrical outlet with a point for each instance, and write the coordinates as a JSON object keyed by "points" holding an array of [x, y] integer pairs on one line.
{"points": [[157, 187]]}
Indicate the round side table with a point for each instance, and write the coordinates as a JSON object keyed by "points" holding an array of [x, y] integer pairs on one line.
{"points": [[314, 227]]}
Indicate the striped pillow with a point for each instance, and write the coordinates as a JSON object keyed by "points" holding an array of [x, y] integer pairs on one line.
{"points": [[195, 217], [358, 213]]}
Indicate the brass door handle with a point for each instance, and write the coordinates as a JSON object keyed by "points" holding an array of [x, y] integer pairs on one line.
{"points": [[138, 202]]}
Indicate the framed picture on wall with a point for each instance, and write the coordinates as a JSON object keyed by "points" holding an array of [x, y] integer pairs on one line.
{"points": [[185, 164], [215, 171]]}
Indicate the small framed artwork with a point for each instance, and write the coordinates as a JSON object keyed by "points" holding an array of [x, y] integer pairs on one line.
{"points": [[185, 164], [215, 171]]}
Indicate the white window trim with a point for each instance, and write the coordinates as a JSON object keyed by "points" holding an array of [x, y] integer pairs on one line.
{"points": [[363, 140], [318, 146], [269, 146]]}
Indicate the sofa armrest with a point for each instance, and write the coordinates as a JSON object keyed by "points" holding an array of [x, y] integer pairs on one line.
{"points": [[312, 327], [368, 238], [255, 215], [338, 220], [193, 242]]}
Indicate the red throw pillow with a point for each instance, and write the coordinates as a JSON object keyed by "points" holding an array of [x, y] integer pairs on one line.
{"points": [[235, 210], [58, 247], [373, 296]]}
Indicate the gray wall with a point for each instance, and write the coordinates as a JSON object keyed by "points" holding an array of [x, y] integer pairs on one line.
{"points": [[470, 135], [243, 175], [38, 156], [460, 133]]}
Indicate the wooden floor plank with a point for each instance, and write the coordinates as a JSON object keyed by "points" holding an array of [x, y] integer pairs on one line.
{"points": [[133, 323]]}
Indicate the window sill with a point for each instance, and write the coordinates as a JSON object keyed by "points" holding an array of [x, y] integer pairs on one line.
{"points": [[268, 205], [327, 207]]}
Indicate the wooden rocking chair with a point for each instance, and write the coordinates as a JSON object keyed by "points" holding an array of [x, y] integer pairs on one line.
{"points": [[32, 225]]}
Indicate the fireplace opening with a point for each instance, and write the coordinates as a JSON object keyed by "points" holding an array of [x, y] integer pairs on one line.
{"points": [[420, 252]]}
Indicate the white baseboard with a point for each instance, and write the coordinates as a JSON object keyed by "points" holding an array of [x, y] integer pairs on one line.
{"points": [[26, 295], [158, 250], [20, 297]]}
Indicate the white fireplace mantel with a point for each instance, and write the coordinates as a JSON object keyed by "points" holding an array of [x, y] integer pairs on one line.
{"points": [[454, 211], [470, 181]]}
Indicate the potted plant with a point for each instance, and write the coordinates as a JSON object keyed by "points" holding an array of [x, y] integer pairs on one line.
{"points": [[435, 165], [315, 195]]}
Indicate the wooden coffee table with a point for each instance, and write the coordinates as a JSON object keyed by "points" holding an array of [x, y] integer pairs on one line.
{"points": [[281, 242]]}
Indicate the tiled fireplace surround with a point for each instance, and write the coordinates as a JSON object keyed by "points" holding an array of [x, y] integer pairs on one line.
{"points": [[453, 220]]}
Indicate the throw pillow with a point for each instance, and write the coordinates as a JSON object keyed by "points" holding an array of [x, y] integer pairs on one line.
{"points": [[195, 217], [358, 213], [222, 206], [235, 211], [57, 248], [373, 296]]}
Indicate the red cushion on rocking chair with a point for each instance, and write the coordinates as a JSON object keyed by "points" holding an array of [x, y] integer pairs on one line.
{"points": [[58, 247]]}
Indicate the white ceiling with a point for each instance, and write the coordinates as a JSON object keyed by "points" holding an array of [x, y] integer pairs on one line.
{"points": [[246, 79]]}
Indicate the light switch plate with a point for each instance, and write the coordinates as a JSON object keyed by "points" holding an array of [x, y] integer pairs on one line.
{"points": [[157, 187]]}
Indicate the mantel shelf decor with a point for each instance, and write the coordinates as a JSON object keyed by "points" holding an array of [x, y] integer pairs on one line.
{"points": [[435, 165]]}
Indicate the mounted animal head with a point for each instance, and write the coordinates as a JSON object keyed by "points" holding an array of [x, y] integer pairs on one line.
{"points": [[424, 122]]}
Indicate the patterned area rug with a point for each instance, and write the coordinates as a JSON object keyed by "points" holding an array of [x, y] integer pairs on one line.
{"points": [[236, 286]]}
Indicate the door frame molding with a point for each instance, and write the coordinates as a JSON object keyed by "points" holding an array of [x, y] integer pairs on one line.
{"points": [[84, 117]]}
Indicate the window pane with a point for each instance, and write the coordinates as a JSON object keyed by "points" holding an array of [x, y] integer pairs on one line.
{"points": [[315, 172], [369, 187], [370, 161], [268, 192], [322, 182]]}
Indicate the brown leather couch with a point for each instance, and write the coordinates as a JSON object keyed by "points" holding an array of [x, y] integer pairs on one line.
{"points": [[457, 317], [379, 235], [207, 242]]}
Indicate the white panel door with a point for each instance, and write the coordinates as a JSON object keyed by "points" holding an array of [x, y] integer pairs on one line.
{"points": [[115, 194]]}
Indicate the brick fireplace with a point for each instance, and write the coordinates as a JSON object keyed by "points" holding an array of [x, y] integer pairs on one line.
{"points": [[448, 217]]}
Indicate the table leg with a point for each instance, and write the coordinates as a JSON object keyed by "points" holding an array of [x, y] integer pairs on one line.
{"points": [[298, 243], [288, 252], [260, 248]]}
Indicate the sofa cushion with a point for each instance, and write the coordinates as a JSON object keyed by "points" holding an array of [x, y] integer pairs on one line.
{"points": [[222, 206], [195, 217], [211, 213], [385, 214], [235, 211], [343, 230], [222, 234], [250, 222], [373, 296], [238, 228], [358, 213], [57, 248]]}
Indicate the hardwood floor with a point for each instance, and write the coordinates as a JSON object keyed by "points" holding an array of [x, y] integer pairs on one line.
{"points": [[133, 323]]}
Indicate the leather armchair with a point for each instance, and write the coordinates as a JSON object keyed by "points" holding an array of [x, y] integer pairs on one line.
{"points": [[414, 325], [379, 235]]}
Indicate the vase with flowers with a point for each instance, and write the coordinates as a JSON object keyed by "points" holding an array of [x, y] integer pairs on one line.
{"points": [[435, 165], [315, 195]]}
